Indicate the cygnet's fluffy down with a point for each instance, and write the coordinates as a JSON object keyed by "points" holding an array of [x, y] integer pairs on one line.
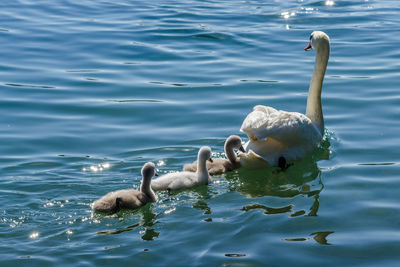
{"points": [[185, 179], [129, 198], [219, 165]]}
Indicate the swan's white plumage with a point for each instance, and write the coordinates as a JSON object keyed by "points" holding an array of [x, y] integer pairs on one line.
{"points": [[289, 128], [276, 133], [292, 135]]}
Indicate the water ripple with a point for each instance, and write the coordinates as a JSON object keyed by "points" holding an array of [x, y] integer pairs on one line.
{"points": [[93, 90]]}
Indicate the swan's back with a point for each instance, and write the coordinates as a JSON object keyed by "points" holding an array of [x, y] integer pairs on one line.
{"points": [[127, 199], [191, 167], [186, 178], [288, 128], [218, 166]]}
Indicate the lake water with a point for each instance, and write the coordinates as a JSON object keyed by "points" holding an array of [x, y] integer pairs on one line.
{"points": [[91, 90]]}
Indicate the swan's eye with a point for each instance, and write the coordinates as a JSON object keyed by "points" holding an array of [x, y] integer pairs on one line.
{"points": [[310, 37]]}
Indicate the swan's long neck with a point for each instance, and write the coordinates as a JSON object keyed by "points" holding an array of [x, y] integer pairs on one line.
{"points": [[202, 172], [230, 153], [314, 106], [145, 187], [201, 165]]}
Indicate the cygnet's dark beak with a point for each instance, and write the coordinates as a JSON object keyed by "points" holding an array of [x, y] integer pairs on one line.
{"points": [[155, 174], [242, 149], [308, 47], [210, 160]]}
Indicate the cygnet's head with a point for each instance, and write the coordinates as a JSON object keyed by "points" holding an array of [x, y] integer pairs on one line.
{"points": [[318, 40], [149, 170], [204, 153], [234, 142]]}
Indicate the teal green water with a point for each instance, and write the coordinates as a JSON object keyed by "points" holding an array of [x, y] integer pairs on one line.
{"points": [[91, 90]]}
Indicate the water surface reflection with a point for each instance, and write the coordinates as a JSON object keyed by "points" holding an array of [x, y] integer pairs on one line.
{"points": [[147, 222]]}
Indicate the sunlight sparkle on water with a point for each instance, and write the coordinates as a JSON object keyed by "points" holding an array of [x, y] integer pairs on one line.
{"points": [[169, 211], [329, 3], [287, 14], [34, 235], [97, 168]]}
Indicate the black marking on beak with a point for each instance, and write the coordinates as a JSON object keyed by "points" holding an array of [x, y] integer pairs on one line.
{"points": [[242, 149]]}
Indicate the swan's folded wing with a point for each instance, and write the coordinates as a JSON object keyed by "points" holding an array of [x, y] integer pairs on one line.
{"points": [[255, 123], [290, 128]]}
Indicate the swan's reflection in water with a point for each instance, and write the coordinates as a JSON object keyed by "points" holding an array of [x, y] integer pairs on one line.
{"points": [[199, 196], [319, 237], [147, 222], [304, 179], [201, 203], [268, 210], [301, 178]]}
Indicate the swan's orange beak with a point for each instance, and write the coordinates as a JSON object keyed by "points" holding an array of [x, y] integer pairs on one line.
{"points": [[308, 47]]}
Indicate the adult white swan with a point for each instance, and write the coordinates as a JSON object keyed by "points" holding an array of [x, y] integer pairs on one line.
{"points": [[278, 136]]}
